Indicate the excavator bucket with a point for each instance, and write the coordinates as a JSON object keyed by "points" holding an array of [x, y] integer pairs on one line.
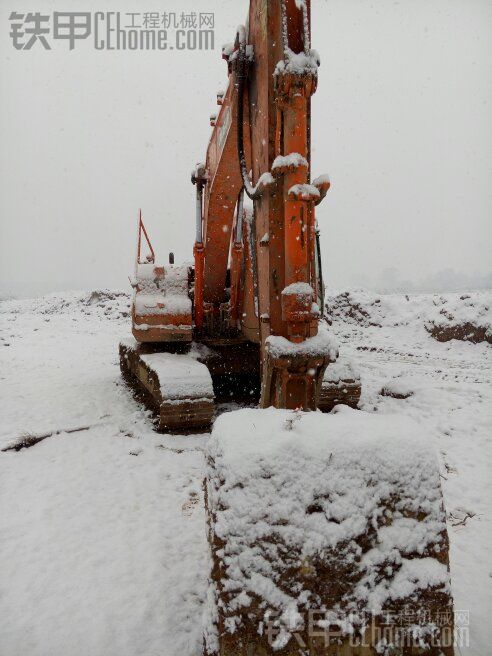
{"points": [[328, 537]]}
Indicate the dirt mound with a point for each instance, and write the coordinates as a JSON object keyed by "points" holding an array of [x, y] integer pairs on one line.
{"points": [[397, 389], [103, 303], [466, 318], [368, 309], [352, 307]]}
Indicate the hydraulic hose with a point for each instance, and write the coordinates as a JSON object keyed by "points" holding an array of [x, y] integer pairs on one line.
{"points": [[253, 192], [198, 233]]}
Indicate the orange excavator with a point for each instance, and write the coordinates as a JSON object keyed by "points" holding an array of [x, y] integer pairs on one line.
{"points": [[246, 319], [245, 324]]}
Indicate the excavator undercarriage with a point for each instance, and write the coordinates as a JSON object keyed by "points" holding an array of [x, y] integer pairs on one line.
{"points": [[207, 376]]}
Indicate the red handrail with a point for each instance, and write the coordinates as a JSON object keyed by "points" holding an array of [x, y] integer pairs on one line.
{"points": [[141, 228]]}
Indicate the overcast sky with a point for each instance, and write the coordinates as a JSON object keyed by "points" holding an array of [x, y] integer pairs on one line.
{"points": [[401, 122]]}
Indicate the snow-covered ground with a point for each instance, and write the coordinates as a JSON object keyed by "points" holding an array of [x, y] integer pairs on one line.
{"points": [[102, 527]]}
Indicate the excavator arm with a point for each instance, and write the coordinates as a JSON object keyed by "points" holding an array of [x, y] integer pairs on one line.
{"points": [[263, 128]]}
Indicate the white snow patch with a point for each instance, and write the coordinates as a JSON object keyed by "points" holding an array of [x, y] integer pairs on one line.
{"points": [[342, 369], [162, 291], [295, 288], [322, 179], [65, 579], [304, 191], [180, 376], [298, 63], [291, 160], [321, 344], [151, 304]]}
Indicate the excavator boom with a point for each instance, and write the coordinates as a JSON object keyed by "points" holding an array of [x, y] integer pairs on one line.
{"points": [[263, 126], [256, 284]]}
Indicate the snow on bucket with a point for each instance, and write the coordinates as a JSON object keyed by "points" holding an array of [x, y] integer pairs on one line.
{"points": [[327, 534]]}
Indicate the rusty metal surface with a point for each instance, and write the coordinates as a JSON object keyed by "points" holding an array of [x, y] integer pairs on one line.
{"points": [[344, 393]]}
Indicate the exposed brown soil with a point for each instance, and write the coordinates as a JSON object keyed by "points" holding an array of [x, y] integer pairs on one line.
{"points": [[466, 332]]}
